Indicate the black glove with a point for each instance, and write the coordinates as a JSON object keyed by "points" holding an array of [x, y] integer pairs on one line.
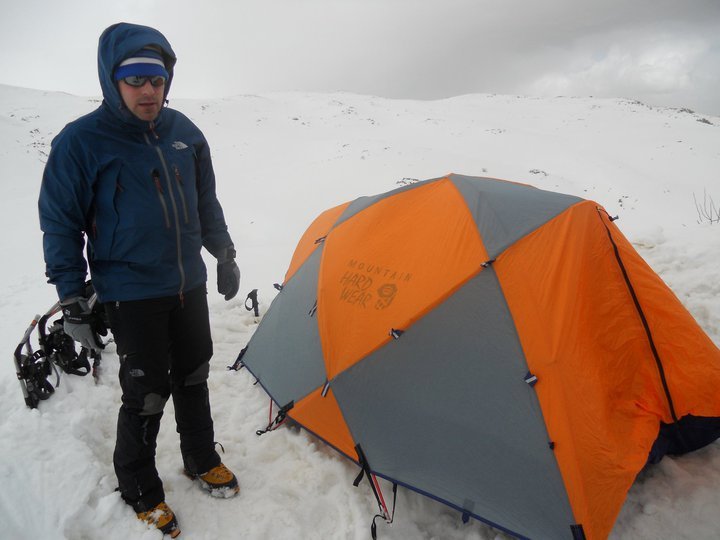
{"points": [[78, 323], [228, 274]]}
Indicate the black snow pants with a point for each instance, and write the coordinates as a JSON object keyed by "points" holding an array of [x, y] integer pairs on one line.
{"points": [[165, 347]]}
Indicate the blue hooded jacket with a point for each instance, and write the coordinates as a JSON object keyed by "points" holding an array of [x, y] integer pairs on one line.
{"points": [[143, 193]]}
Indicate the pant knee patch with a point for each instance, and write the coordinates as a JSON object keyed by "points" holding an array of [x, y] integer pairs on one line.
{"points": [[198, 376], [154, 404]]}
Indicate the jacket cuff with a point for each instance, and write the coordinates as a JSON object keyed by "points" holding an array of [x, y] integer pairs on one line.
{"points": [[227, 254]]}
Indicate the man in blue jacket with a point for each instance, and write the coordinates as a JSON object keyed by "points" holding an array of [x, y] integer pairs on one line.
{"points": [[135, 178]]}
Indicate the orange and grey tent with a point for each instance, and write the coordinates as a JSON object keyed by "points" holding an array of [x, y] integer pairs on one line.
{"points": [[500, 348]]}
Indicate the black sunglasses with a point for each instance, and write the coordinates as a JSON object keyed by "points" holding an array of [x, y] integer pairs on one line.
{"points": [[138, 81]]}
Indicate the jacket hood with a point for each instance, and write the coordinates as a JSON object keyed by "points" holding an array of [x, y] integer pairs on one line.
{"points": [[118, 42]]}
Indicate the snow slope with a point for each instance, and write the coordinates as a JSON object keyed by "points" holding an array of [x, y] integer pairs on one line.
{"points": [[281, 159]]}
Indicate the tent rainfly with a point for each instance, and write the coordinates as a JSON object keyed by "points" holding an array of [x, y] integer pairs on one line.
{"points": [[497, 347]]}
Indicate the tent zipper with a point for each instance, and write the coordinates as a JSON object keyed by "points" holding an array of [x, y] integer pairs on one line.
{"points": [[648, 332]]}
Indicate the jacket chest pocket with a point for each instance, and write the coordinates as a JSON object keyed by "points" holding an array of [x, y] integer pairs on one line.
{"points": [[143, 200], [158, 183], [104, 218], [181, 171]]}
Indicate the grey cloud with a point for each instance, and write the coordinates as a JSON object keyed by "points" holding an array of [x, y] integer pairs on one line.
{"points": [[665, 52]]}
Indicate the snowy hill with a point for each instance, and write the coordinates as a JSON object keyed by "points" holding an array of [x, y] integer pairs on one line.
{"points": [[280, 159]]}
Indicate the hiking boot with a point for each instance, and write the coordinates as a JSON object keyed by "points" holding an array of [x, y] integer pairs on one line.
{"points": [[162, 518], [218, 481]]}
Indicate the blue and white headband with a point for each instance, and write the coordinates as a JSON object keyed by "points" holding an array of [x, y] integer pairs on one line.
{"points": [[144, 63]]}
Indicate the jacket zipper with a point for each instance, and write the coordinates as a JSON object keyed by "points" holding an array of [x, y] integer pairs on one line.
{"points": [[178, 180], [176, 217], [161, 195], [118, 188]]}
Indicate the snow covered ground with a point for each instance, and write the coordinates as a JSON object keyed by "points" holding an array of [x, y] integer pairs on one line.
{"points": [[281, 159]]}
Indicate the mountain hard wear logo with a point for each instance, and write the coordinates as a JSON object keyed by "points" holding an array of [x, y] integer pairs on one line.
{"points": [[179, 145], [360, 285]]}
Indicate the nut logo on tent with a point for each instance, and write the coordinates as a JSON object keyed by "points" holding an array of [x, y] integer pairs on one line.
{"points": [[386, 295]]}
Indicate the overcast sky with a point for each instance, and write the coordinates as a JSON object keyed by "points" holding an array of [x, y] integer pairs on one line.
{"points": [[661, 52]]}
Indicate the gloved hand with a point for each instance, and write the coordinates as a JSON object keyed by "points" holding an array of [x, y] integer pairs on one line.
{"points": [[228, 274], [78, 321]]}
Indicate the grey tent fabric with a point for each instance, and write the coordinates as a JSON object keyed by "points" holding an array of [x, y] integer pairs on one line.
{"points": [[468, 427], [285, 351], [505, 212]]}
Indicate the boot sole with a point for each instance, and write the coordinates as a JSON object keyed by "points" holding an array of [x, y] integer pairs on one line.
{"points": [[219, 492]]}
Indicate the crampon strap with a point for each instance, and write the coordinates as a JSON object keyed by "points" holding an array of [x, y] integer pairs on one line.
{"points": [[33, 371], [60, 349]]}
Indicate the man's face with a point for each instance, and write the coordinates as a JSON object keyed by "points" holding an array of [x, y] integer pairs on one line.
{"points": [[144, 101]]}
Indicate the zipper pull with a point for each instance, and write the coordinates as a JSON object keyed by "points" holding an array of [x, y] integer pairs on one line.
{"points": [[152, 130], [178, 178], [182, 299], [156, 179]]}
